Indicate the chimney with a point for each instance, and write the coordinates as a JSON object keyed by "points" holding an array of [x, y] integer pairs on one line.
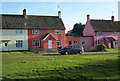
{"points": [[59, 14], [24, 12], [88, 17], [112, 18]]}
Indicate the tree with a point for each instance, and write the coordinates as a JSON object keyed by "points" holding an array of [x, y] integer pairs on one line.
{"points": [[77, 30]]}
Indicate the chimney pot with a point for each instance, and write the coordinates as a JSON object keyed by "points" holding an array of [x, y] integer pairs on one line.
{"points": [[88, 17], [112, 18], [59, 14], [24, 12]]}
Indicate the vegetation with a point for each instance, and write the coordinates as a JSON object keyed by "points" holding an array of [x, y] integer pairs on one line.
{"points": [[99, 47], [77, 30], [59, 67], [22, 52]]}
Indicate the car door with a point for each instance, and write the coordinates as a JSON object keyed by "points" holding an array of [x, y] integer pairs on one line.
{"points": [[71, 50]]}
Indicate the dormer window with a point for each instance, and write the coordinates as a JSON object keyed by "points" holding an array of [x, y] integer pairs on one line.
{"points": [[114, 33], [35, 31], [57, 31], [99, 33]]}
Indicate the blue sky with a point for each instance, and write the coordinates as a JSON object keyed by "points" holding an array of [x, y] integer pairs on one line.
{"points": [[72, 12]]}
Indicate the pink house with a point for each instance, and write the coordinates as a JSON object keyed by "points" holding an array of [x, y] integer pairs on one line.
{"points": [[103, 31]]}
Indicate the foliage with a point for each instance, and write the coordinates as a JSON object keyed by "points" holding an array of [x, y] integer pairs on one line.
{"points": [[77, 30], [93, 66], [99, 47]]}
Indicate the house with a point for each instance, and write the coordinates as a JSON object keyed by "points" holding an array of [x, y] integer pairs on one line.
{"points": [[103, 31], [22, 32]]}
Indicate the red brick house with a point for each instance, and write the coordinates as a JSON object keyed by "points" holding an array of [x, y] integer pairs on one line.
{"points": [[45, 31]]}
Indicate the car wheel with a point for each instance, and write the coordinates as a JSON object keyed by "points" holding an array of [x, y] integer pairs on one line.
{"points": [[66, 53], [80, 52]]}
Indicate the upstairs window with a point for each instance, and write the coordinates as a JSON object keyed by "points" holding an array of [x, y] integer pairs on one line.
{"points": [[99, 33], [19, 43], [57, 31], [114, 33], [18, 31], [75, 42], [58, 43], [35, 31]]}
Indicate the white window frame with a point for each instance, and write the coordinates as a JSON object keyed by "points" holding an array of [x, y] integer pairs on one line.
{"points": [[99, 33], [18, 31], [114, 33], [19, 43], [83, 43], [38, 41], [58, 43], [57, 31], [35, 31], [75, 42]]}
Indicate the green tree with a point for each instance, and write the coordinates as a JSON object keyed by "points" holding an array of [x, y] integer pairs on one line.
{"points": [[77, 30]]}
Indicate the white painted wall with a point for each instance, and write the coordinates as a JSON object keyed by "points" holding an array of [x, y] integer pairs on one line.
{"points": [[10, 36]]}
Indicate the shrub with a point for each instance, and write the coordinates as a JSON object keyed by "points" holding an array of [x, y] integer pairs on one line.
{"points": [[99, 47]]}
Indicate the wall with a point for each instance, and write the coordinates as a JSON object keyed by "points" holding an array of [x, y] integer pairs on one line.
{"points": [[10, 36], [88, 30], [41, 34]]}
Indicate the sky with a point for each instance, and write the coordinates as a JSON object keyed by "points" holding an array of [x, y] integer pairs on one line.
{"points": [[71, 12]]}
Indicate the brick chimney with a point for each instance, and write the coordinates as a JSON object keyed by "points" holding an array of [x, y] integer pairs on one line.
{"points": [[59, 14], [88, 17], [112, 18], [24, 13]]}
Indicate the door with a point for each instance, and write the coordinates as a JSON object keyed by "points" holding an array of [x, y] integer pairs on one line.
{"points": [[111, 44], [49, 43], [5, 46]]}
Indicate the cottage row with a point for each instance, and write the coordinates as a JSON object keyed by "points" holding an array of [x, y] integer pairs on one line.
{"points": [[24, 32]]}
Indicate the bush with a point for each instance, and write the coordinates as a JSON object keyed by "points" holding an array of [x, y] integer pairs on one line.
{"points": [[99, 47]]}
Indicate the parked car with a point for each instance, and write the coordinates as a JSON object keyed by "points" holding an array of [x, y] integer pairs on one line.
{"points": [[72, 49]]}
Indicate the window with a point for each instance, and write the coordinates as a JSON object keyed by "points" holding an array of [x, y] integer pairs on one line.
{"points": [[83, 42], [75, 42], [18, 31], [19, 43], [114, 33], [36, 43], [116, 42], [57, 31], [36, 31], [58, 42], [99, 33], [99, 41], [70, 42]]}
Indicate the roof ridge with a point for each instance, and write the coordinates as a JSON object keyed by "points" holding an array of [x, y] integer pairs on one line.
{"points": [[99, 20]]}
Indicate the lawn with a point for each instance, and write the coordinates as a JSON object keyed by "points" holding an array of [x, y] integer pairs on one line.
{"points": [[70, 67]]}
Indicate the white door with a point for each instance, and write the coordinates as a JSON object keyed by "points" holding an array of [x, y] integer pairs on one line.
{"points": [[49, 43], [5, 46]]}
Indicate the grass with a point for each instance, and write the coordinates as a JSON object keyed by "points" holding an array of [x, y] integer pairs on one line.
{"points": [[81, 67], [113, 50], [22, 53], [3, 53]]}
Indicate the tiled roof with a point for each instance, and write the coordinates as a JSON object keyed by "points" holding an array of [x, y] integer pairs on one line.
{"points": [[105, 25], [31, 21]]}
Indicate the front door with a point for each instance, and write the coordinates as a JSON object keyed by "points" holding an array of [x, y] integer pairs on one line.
{"points": [[5, 46], [111, 44], [49, 43]]}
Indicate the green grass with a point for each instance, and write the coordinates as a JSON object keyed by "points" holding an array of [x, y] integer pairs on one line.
{"points": [[22, 53], [99, 66], [3, 53], [113, 50]]}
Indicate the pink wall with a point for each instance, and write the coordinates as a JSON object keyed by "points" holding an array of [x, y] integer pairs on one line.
{"points": [[88, 41], [88, 30]]}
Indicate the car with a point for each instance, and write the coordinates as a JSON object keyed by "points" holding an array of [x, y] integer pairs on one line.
{"points": [[72, 49]]}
